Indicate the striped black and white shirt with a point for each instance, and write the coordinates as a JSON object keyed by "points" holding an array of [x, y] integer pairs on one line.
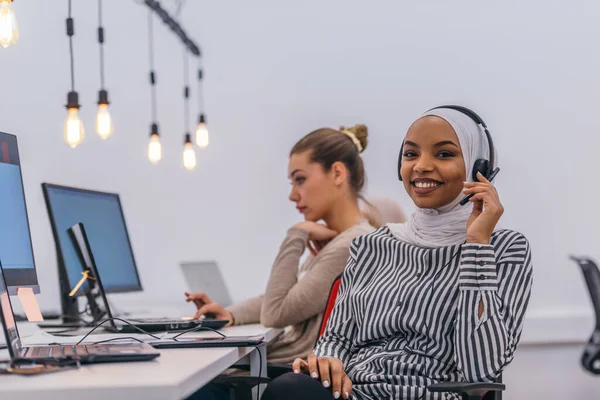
{"points": [[409, 316]]}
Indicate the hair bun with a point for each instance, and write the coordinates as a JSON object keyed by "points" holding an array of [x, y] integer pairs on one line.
{"points": [[361, 132]]}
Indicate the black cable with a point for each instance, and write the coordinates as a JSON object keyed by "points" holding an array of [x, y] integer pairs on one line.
{"points": [[70, 33], [119, 338], [151, 62], [101, 41], [61, 332], [259, 372], [198, 328], [116, 319]]}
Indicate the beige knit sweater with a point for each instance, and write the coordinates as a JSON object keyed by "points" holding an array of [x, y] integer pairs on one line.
{"points": [[295, 299]]}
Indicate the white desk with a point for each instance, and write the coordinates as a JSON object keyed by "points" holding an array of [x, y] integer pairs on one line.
{"points": [[177, 373]]}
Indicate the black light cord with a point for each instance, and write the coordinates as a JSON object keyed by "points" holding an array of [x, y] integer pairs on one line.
{"points": [[186, 92], [101, 42], [70, 33], [151, 62], [200, 94]]}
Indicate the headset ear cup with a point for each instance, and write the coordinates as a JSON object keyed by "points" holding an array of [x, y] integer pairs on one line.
{"points": [[482, 166]]}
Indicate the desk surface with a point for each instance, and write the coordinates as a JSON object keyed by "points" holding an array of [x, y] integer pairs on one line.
{"points": [[177, 373]]}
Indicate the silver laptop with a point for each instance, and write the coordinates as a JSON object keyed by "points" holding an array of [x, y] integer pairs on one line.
{"points": [[205, 276]]}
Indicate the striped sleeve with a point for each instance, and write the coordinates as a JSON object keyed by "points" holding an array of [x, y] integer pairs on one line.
{"points": [[493, 298], [336, 341]]}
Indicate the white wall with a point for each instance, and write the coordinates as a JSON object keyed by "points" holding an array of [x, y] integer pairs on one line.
{"points": [[275, 71]]}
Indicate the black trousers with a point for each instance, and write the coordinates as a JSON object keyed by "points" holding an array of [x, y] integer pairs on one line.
{"points": [[292, 386]]}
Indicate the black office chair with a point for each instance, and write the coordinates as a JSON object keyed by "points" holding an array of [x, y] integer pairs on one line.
{"points": [[472, 391], [590, 359]]}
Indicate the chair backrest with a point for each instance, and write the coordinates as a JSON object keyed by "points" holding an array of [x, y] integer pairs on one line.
{"points": [[590, 359], [591, 273], [333, 292]]}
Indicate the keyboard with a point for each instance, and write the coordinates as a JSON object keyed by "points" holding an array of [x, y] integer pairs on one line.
{"points": [[80, 351]]}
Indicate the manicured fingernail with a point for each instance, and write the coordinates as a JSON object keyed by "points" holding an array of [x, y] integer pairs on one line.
{"points": [[296, 371], [347, 395], [314, 375], [336, 395], [326, 384]]}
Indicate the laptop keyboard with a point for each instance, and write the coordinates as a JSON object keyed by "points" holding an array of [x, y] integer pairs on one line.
{"points": [[80, 351]]}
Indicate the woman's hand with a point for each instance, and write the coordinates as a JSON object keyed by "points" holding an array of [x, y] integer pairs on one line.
{"points": [[487, 210], [318, 235], [206, 306], [329, 370]]}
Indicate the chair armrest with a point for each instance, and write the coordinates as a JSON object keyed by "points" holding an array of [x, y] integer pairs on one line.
{"points": [[590, 359], [469, 388], [247, 381], [273, 370]]}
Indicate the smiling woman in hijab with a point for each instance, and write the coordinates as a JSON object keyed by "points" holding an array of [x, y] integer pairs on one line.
{"points": [[439, 298]]}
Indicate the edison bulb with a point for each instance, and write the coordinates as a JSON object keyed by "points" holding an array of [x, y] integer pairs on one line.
{"points": [[74, 133], [104, 125], [202, 135], [189, 156], [9, 30], [154, 149]]}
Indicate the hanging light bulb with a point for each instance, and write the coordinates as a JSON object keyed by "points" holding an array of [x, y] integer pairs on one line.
{"points": [[154, 147], [189, 155], [74, 132], [104, 125], [202, 139], [9, 29]]}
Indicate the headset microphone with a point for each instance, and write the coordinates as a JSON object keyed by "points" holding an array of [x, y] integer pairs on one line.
{"points": [[491, 178]]}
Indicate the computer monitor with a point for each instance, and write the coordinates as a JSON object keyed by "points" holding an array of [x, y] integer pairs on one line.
{"points": [[102, 215], [16, 251]]}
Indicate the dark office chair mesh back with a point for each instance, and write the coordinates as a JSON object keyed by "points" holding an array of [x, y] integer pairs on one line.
{"points": [[590, 359]]}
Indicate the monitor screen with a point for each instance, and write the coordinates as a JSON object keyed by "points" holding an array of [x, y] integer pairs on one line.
{"points": [[102, 215], [16, 252]]}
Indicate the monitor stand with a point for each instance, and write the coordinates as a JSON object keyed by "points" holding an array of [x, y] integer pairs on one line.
{"points": [[70, 316]]}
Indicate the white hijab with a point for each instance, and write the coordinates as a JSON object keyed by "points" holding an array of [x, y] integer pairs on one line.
{"points": [[447, 225]]}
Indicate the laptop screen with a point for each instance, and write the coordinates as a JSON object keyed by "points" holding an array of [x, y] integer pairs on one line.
{"points": [[8, 320]]}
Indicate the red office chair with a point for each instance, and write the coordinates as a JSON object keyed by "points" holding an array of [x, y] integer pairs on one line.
{"points": [[275, 370], [240, 386]]}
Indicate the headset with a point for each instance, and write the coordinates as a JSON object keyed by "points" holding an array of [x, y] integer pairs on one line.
{"points": [[485, 167]]}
